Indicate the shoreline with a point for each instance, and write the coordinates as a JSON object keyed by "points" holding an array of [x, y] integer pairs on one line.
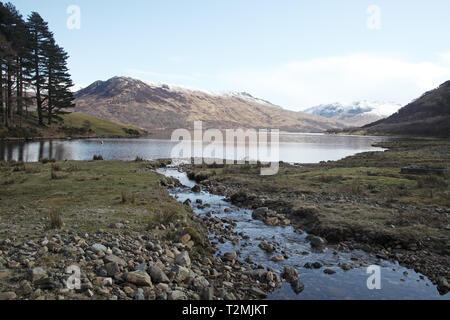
{"points": [[314, 214]]}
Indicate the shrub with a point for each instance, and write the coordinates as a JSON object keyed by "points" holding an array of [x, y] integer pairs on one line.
{"points": [[138, 159], [55, 220], [98, 158], [127, 198], [56, 167]]}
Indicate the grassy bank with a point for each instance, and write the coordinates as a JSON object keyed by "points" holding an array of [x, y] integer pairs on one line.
{"points": [[74, 125], [88, 197], [364, 197]]}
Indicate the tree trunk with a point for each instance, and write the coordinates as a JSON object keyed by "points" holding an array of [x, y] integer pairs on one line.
{"points": [[19, 84]]}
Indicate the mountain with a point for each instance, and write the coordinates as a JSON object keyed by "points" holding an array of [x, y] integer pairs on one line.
{"points": [[156, 107], [357, 113], [429, 115]]}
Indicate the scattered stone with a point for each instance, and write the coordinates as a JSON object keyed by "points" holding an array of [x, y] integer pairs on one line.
{"points": [[38, 273], [317, 242], [97, 248], [7, 296], [158, 276], [183, 259], [289, 274], [298, 286], [139, 278], [176, 295]]}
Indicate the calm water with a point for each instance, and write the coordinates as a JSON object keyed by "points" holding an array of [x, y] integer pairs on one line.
{"points": [[396, 282], [294, 148]]}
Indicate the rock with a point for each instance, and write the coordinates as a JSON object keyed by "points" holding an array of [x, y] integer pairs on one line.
{"points": [[139, 295], [289, 274], [196, 189], [38, 273], [329, 271], [200, 283], [97, 248], [181, 274], [443, 285], [259, 292], [139, 278], [4, 274], [272, 221], [158, 276], [112, 268], [317, 242], [260, 213], [266, 247], [183, 259], [7, 296], [46, 284], [229, 256], [277, 258], [117, 225], [185, 239], [25, 288], [317, 265], [113, 258], [297, 286], [207, 294], [176, 295]]}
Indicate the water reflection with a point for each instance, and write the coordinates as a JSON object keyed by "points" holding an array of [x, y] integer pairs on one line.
{"points": [[300, 148]]}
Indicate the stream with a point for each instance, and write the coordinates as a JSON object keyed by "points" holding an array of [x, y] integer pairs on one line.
{"points": [[396, 282]]}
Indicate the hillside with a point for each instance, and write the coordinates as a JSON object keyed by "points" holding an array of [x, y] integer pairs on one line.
{"points": [[162, 107], [427, 116], [75, 125], [358, 113]]}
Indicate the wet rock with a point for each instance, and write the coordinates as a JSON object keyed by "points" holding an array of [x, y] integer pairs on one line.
{"points": [[139, 278], [273, 221], [196, 189], [443, 285], [290, 274], [260, 213], [277, 258], [329, 271], [229, 256], [258, 292], [317, 242], [266, 247], [298, 286]]}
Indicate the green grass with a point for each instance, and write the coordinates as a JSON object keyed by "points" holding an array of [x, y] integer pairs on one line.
{"points": [[100, 127], [75, 125], [88, 196], [365, 192]]}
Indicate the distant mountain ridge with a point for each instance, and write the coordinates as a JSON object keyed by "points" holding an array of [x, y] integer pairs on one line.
{"points": [[164, 107], [429, 115], [358, 113]]}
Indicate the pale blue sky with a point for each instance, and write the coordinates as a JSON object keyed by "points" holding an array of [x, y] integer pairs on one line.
{"points": [[293, 53]]}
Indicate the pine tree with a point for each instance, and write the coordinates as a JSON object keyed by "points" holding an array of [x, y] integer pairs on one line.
{"points": [[39, 39], [59, 82]]}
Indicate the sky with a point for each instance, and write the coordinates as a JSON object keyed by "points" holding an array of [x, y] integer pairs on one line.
{"points": [[296, 54]]}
